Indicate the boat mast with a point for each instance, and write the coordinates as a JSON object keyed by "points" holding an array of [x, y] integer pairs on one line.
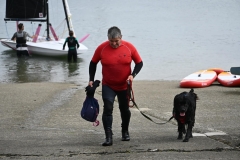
{"points": [[48, 37], [68, 16]]}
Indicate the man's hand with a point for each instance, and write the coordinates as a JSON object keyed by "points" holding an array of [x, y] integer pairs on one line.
{"points": [[130, 78], [90, 83]]}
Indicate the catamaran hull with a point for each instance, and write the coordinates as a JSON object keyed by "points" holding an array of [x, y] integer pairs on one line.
{"points": [[46, 48]]}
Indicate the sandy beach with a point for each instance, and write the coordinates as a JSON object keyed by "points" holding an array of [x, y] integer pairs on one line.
{"points": [[42, 121]]}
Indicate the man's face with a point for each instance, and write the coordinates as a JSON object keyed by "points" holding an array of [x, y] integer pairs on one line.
{"points": [[115, 42]]}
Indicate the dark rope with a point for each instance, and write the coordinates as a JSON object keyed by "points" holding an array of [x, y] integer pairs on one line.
{"points": [[130, 97]]}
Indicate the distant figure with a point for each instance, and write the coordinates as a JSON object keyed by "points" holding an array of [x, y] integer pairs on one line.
{"points": [[21, 39], [72, 50]]}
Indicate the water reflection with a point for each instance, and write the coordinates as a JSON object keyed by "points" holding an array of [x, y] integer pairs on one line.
{"points": [[21, 70], [37, 68], [177, 40], [72, 69]]}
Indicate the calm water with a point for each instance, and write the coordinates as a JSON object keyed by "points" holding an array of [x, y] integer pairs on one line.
{"points": [[174, 38]]}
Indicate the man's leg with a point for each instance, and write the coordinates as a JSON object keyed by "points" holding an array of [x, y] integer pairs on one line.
{"points": [[75, 56], [19, 54], [108, 96], [125, 114], [69, 55]]}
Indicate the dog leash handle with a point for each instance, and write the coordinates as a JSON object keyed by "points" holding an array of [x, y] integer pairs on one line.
{"points": [[130, 94], [128, 82]]}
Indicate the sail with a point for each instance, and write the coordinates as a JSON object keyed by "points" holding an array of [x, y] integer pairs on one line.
{"points": [[26, 10]]}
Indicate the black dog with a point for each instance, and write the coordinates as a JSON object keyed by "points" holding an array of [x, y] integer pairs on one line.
{"points": [[184, 108]]}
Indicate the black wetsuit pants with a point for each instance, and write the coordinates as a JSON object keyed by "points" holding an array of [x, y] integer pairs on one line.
{"points": [[72, 54], [22, 50], [108, 96]]}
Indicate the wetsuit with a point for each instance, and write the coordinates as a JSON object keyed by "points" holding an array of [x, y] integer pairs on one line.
{"points": [[116, 64], [116, 67], [21, 40], [72, 51]]}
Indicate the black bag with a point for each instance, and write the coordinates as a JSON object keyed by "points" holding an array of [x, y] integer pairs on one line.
{"points": [[90, 109]]}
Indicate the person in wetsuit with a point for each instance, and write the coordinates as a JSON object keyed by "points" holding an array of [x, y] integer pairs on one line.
{"points": [[21, 41], [72, 50], [116, 56]]}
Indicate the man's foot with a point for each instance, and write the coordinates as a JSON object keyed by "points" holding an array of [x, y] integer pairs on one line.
{"points": [[108, 142], [125, 136]]}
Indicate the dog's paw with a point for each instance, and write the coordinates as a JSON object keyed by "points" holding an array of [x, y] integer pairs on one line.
{"points": [[185, 140], [180, 135]]}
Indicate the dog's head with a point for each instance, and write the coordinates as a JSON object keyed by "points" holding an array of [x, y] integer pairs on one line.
{"points": [[184, 101]]}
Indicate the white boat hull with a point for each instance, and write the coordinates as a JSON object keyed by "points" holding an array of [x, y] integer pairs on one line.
{"points": [[43, 47]]}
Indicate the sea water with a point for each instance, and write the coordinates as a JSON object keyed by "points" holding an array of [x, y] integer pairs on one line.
{"points": [[174, 38]]}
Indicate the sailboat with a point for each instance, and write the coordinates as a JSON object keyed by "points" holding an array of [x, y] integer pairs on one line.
{"points": [[38, 11]]}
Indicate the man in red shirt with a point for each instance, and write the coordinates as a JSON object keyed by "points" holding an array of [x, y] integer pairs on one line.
{"points": [[116, 56]]}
